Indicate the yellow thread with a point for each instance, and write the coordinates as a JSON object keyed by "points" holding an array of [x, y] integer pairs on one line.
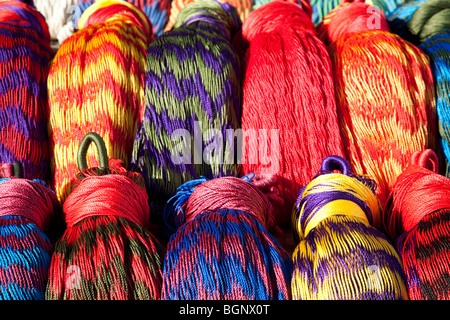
{"points": [[105, 3], [343, 183], [338, 207]]}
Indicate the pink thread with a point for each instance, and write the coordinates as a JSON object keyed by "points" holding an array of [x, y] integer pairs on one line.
{"points": [[6, 171], [350, 17], [28, 199], [230, 193]]}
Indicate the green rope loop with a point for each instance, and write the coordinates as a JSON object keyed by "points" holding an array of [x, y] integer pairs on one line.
{"points": [[18, 170], [101, 148]]}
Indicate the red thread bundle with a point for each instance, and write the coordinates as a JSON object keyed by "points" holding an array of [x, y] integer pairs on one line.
{"points": [[384, 93], [107, 251], [289, 118], [417, 217]]}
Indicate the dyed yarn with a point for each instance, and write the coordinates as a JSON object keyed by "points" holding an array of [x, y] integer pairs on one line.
{"points": [[430, 19], [289, 118], [57, 14], [25, 53], [243, 7], [221, 248], [319, 8], [192, 102], [384, 92], [399, 17], [427, 24], [158, 11], [386, 6], [96, 84], [26, 209], [341, 253], [417, 218], [107, 252]]}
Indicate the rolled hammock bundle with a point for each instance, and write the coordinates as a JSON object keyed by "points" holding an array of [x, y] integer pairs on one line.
{"points": [[157, 11], [222, 247], [106, 252], [96, 84], [384, 92], [289, 118], [26, 210], [25, 54], [417, 218], [426, 24], [192, 103], [243, 7], [341, 254]]}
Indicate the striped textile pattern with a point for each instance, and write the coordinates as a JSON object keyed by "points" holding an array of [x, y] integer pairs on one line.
{"points": [[96, 84], [90, 262], [424, 24], [438, 50], [192, 84], [386, 101], [24, 57], [24, 259], [27, 211], [362, 254], [417, 219], [225, 255], [426, 259], [341, 254]]}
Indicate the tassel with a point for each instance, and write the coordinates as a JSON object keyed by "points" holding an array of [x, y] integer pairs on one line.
{"points": [[221, 247], [26, 210], [384, 93], [25, 54], [58, 14], [192, 103], [243, 7], [426, 24], [96, 83], [341, 254], [416, 217], [289, 118], [157, 11], [107, 252]]}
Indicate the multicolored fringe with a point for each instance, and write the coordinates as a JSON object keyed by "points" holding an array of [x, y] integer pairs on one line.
{"points": [[341, 255], [100, 258], [25, 253], [426, 257], [24, 57], [192, 88], [225, 255]]}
